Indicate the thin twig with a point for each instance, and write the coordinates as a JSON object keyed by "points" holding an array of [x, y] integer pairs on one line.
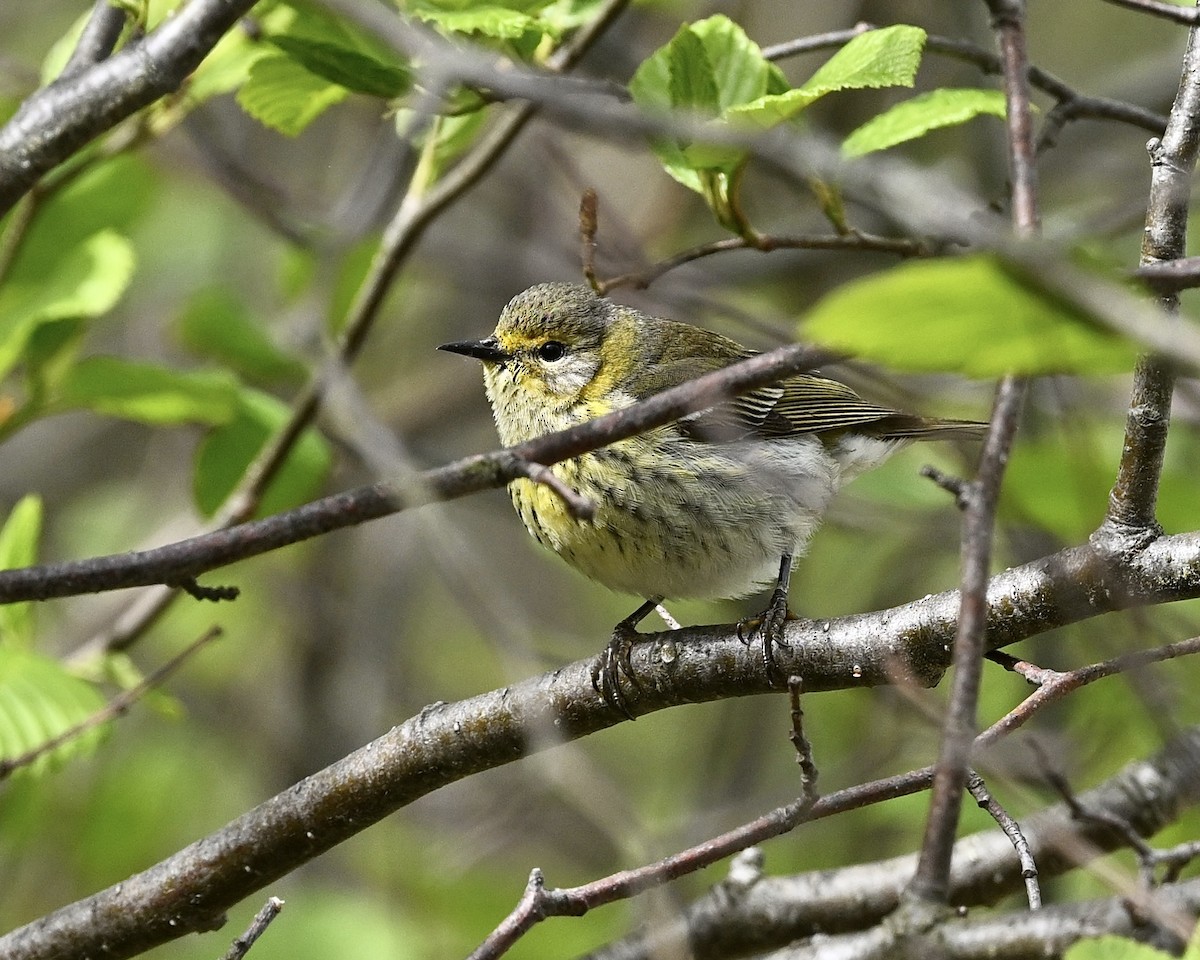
{"points": [[1170, 276], [1053, 685], [955, 486], [1174, 859], [588, 224], [900, 246], [116, 707], [241, 946], [804, 752], [1006, 822], [580, 507]]}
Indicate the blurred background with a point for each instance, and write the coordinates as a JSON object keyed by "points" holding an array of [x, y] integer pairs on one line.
{"points": [[336, 640]]}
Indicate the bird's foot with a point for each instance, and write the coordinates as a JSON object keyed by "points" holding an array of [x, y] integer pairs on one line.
{"points": [[769, 626], [612, 662], [615, 660]]}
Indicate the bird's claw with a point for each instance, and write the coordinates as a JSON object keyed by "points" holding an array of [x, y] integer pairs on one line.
{"points": [[769, 626], [608, 667]]}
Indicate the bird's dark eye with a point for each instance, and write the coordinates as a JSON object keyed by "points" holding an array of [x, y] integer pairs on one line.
{"points": [[551, 350]]}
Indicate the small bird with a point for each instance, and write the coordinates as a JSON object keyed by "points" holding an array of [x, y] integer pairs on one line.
{"points": [[714, 505]]}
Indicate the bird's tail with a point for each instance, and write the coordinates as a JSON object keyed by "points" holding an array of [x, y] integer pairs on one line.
{"points": [[904, 426]]}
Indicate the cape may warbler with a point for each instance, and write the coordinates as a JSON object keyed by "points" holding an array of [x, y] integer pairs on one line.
{"points": [[714, 505]]}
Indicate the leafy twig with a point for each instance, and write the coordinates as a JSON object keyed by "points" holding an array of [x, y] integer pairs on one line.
{"points": [[116, 707], [1071, 104]]}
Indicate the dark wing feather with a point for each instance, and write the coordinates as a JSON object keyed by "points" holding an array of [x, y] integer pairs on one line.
{"points": [[808, 404], [804, 404]]}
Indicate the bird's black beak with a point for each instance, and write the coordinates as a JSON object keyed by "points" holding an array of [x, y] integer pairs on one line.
{"points": [[487, 350]]}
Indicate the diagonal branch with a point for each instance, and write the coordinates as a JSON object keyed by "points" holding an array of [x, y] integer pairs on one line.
{"points": [[188, 558]]}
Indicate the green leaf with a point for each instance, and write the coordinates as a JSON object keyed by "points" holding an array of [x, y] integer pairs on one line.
{"points": [[888, 57], [348, 67], [148, 393], [88, 281], [916, 117], [19, 548], [497, 22], [226, 68], [767, 111], [708, 67], [650, 85], [218, 326], [971, 315], [735, 62], [1112, 948], [38, 701], [50, 353], [692, 86], [227, 451], [283, 95], [112, 195]]}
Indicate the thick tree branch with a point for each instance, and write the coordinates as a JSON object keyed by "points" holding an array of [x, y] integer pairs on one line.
{"points": [[53, 123], [447, 742]]}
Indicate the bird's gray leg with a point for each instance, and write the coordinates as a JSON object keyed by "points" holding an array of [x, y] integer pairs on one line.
{"points": [[606, 671]]}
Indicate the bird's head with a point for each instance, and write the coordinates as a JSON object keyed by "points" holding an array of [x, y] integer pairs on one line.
{"points": [[556, 347]]}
